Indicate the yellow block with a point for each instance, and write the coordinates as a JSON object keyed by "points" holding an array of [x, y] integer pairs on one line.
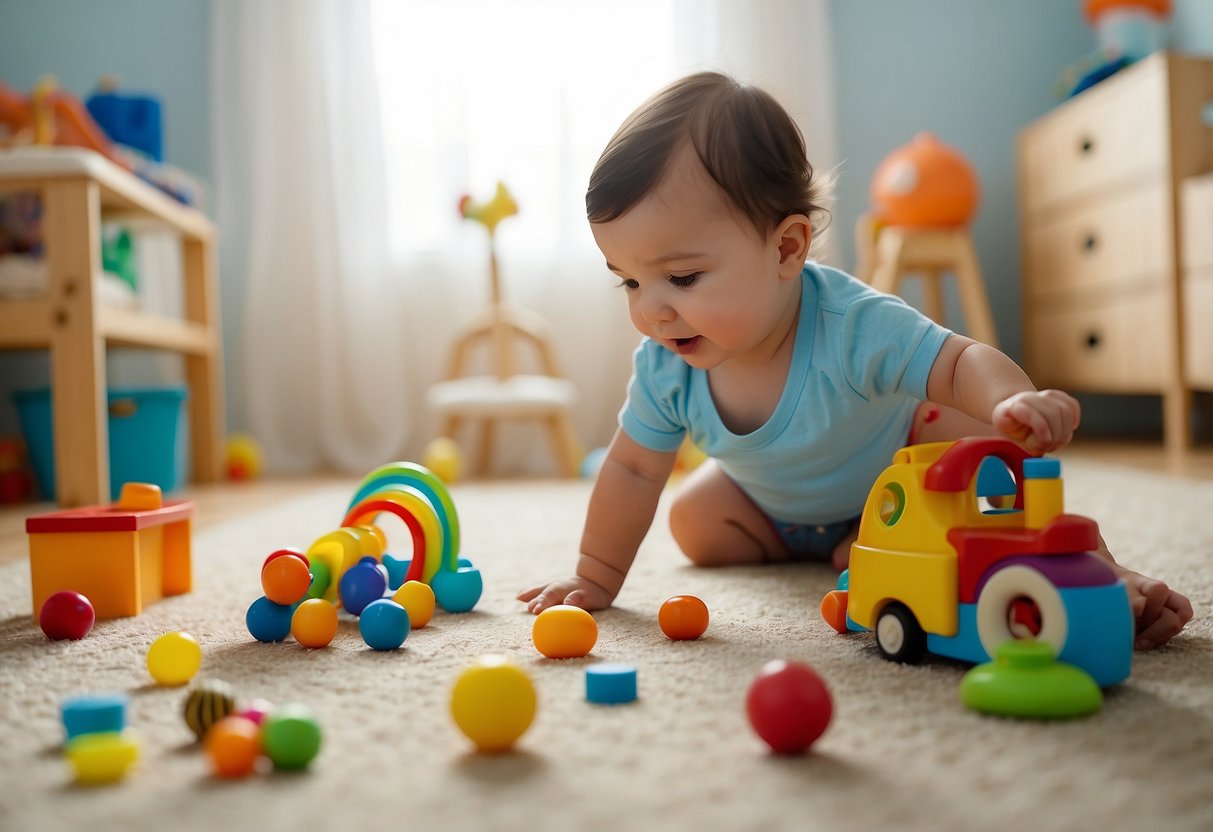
{"points": [[924, 582]]}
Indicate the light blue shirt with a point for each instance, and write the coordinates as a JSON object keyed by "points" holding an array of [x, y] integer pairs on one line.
{"points": [[859, 367]]}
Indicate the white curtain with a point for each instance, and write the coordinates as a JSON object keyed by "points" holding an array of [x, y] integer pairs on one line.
{"points": [[346, 133]]}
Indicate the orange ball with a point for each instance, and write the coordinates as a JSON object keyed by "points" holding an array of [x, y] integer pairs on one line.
{"points": [[683, 617], [285, 579], [564, 632], [233, 744], [314, 623]]}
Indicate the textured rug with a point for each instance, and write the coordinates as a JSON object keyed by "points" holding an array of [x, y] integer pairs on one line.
{"points": [[902, 752]]}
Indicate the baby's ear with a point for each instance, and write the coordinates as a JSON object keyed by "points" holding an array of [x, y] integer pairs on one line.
{"points": [[793, 236]]}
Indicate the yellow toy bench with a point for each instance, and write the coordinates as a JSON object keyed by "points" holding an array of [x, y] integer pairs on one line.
{"points": [[121, 557]]}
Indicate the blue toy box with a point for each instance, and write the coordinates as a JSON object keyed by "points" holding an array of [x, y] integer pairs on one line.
{"points": [[147, 436]]}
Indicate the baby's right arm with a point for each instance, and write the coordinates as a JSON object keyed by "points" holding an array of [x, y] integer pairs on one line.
{"points": [[621, 510]]}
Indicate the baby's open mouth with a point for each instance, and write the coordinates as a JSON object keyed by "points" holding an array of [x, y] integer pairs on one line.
{"points": [[686, 346]]}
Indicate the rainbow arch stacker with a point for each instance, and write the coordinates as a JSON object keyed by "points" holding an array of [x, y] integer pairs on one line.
{"points": [[418, 497]]}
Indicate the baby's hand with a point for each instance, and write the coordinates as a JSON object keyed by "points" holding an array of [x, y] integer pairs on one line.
{"points": [[572, 590], [1039, 420], [1159, 611]]}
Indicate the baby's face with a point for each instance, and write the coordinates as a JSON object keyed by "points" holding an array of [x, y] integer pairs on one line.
{"points": [[699, 279]]}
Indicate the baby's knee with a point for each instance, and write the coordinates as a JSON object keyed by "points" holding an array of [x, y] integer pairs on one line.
{"points": [[689, 533]]}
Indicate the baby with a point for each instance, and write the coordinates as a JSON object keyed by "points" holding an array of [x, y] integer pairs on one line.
{"points": [[796, 380]]}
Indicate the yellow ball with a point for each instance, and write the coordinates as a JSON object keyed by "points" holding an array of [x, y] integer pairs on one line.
{"points": [[443, 458], [418, 601], [564, 632], [174, 658], [243, 457], [493, 703]]}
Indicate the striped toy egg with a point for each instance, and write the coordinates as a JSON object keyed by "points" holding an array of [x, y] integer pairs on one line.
{"points": [[208, 703]]}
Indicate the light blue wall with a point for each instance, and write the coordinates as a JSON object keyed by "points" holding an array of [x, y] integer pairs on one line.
{"points": [[974, 72], [156, 46]]}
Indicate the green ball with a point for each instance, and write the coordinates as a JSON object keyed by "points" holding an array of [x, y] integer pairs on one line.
{"points": [[290, 736]]}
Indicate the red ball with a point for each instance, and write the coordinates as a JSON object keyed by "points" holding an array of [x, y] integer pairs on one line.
{"points": [[789, 706], [67, 615]]}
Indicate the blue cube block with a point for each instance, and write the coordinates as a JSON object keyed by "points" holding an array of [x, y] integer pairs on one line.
{"points": [[610, 684], [94, 714]]}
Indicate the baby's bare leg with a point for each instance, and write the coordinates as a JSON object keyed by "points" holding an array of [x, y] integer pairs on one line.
{"points": [[716, 524]]}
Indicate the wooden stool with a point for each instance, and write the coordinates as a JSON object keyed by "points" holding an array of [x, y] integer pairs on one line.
{"points": [[507, 393], [887, 254]]}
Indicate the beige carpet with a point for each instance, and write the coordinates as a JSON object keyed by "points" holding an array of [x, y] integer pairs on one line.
{"points": [[902, 753]]}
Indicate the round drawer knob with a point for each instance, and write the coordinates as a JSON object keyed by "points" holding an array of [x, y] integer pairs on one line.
{"points": [[1090, 243], [1086, 146], [1092, 340]]}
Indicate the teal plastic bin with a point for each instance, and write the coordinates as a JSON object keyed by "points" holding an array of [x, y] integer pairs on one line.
{"points": [[147, 436]]}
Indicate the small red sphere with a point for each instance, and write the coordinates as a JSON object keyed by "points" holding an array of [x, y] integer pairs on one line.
{"points": [[290, 551], [67, 615], [789, 706], [683, 617]]}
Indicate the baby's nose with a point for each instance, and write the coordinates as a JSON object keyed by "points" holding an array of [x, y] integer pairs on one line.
{"points": [[657, 311]]}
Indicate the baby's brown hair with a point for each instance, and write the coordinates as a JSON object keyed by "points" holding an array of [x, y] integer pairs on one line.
{"points": [[744, 138]]}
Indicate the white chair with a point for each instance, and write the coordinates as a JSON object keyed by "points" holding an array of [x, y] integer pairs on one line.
{"points": [[506, 393]]}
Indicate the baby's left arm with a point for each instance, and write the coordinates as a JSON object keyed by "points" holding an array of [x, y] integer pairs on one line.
{"points": [[981, 382]]}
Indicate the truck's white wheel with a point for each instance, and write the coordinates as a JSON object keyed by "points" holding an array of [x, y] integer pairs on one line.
{"points": [[1008, 584]]}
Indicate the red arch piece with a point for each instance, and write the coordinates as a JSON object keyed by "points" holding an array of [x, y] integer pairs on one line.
{"points": [[417, 565]]}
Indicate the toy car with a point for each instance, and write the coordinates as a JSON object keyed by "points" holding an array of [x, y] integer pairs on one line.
{"points": [[963, 545]]}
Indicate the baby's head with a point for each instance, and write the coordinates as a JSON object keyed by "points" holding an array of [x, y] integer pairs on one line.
{"points": [[746, 142]]}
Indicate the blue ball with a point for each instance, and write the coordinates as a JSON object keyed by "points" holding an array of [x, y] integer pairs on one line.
{"points": [[361, 584], [457, 591], [267, 621], [384, 624], [592, 463]]}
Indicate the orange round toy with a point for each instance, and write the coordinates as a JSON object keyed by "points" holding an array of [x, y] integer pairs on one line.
{"points": [[564, 632], [314, 623], [925, 184], [233, 746], [285, 579], [683, 617]]}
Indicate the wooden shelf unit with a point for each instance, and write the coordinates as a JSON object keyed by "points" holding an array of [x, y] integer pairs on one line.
{"points": [[79, 189]]}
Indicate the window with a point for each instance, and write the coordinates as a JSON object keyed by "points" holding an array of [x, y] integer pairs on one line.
{"points": [[527, 92], [996, 487], [892, 504]]}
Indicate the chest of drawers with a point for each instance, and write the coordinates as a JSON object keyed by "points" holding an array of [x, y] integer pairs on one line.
{"points": [[1101, 231]]}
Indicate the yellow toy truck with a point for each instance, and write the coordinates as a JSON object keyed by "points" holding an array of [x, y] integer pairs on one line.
{"points": [[964, 545]]}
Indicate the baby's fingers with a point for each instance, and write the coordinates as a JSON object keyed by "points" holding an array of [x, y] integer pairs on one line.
{"points": [[1160, 631], [528, 594]]}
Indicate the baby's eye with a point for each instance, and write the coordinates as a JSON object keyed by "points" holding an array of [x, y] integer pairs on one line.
{"points": [[628, 284], [684, 280]]}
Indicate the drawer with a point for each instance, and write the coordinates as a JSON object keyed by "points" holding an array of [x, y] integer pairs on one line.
{"points": [[1112, 132], [1101, 243], [1196, 203], [1118, 343], [1198, 327]]}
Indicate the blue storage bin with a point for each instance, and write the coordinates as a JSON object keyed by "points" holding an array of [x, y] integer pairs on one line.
{"points": [[147, 436]]}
